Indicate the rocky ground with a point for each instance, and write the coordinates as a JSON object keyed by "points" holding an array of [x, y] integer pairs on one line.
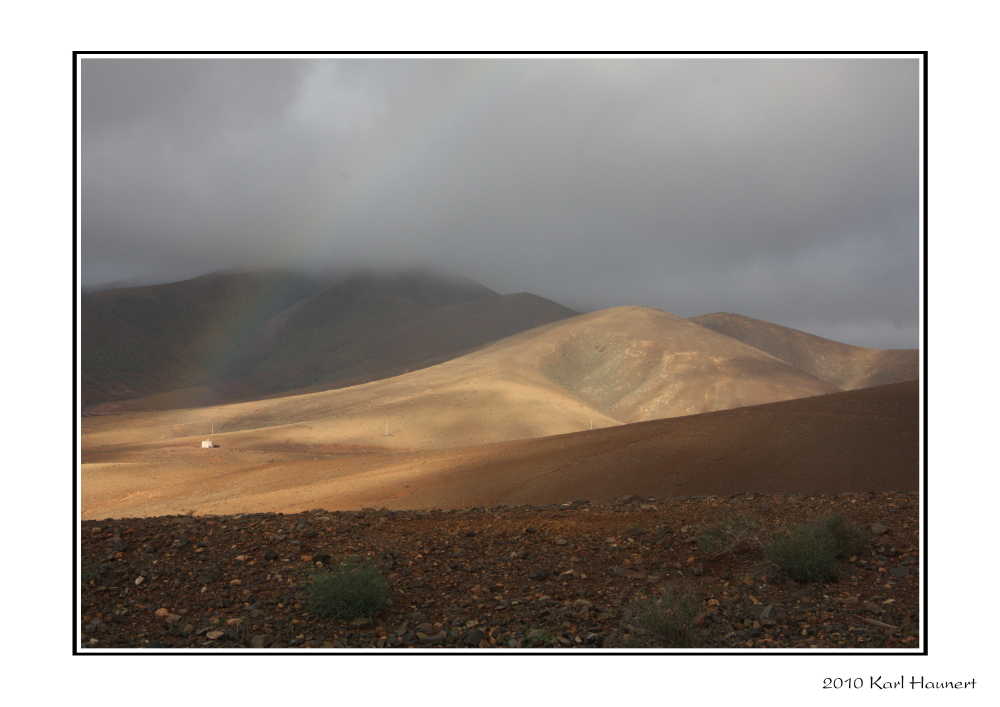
{"points": [[557, 577]]}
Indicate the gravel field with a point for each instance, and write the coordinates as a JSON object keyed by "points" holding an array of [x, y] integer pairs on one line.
{"points": [[561, 578]]}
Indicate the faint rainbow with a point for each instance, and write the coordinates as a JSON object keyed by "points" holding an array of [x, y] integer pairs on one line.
{"points": [[432, 123]]}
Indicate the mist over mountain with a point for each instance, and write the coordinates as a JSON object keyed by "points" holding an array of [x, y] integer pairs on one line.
{"points": [[236, 335]]}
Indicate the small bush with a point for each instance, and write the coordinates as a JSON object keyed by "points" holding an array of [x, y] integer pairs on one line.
{"points": [[848, 540], [737, 533], [809, 553], [805, 553], [662, 622], [91, 571], [348, 592]]}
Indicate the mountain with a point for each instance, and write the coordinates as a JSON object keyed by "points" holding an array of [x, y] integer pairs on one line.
{"points": [[842, 365], [145, 340], [226, 337], [605, 368]]}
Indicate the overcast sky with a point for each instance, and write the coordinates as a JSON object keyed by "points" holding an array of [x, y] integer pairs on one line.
{"points": [[782, 189]]}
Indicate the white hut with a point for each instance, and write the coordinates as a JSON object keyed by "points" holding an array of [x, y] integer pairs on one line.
{"points": [[207, 444]]}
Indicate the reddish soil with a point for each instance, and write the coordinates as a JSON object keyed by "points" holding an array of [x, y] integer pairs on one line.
{"points": [[555, 577]]}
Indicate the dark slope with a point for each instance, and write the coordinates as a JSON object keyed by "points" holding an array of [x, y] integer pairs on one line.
{"points": [[269, 335], [146, 340], [845, 366]]}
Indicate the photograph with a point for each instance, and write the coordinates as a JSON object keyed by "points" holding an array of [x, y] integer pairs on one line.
{"points": [[501, 353]]}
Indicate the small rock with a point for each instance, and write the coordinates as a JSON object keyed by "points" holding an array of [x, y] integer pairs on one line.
{"points": [[270, 554], [213, 635], [560, 541], [173, 618], [261, 641], [899, 571], [878, 529], [162, 612]]}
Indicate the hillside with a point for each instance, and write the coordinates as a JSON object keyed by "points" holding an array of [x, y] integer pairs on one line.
{"points": [[845, 366], [228, 337], [619, 365], [865, 440]]}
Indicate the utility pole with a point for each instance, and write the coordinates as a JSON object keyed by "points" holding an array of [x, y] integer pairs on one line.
{"points": [[387, 428]]}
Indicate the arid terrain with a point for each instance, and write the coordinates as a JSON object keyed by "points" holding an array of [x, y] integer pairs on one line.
{"points": [[865, 440], [521, 473], [561, 577]]}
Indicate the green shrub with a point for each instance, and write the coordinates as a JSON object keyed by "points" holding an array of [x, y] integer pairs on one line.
{"points": [[806, 553], [662, 622], [809, 553], [91, 571], [348, 591], [848, 540]]}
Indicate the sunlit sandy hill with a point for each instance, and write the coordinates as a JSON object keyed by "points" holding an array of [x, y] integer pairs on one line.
{"points": [[858, 441], [845, 366]]}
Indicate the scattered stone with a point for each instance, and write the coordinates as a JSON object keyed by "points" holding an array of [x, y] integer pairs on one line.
{"points": [[878, 529], [261, 641], [470, 593]]}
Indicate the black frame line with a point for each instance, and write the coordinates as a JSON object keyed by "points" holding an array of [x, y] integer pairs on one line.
{"points": [[75, 515]]}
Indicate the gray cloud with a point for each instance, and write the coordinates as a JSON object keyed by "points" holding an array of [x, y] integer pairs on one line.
{"points": [[782, 189]]}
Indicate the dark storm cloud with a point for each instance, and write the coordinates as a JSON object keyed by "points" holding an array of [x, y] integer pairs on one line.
{"points": [[782, 189]]}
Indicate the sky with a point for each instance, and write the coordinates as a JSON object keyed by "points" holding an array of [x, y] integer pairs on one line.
{"points": [[780, 188]]}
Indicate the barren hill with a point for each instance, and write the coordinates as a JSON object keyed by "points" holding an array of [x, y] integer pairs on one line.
{"points": [[221, 338], [619, 365], [845, 366], [858, 441]]}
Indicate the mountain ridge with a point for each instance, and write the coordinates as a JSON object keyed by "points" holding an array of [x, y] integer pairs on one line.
{"points": [[845, 366]]}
